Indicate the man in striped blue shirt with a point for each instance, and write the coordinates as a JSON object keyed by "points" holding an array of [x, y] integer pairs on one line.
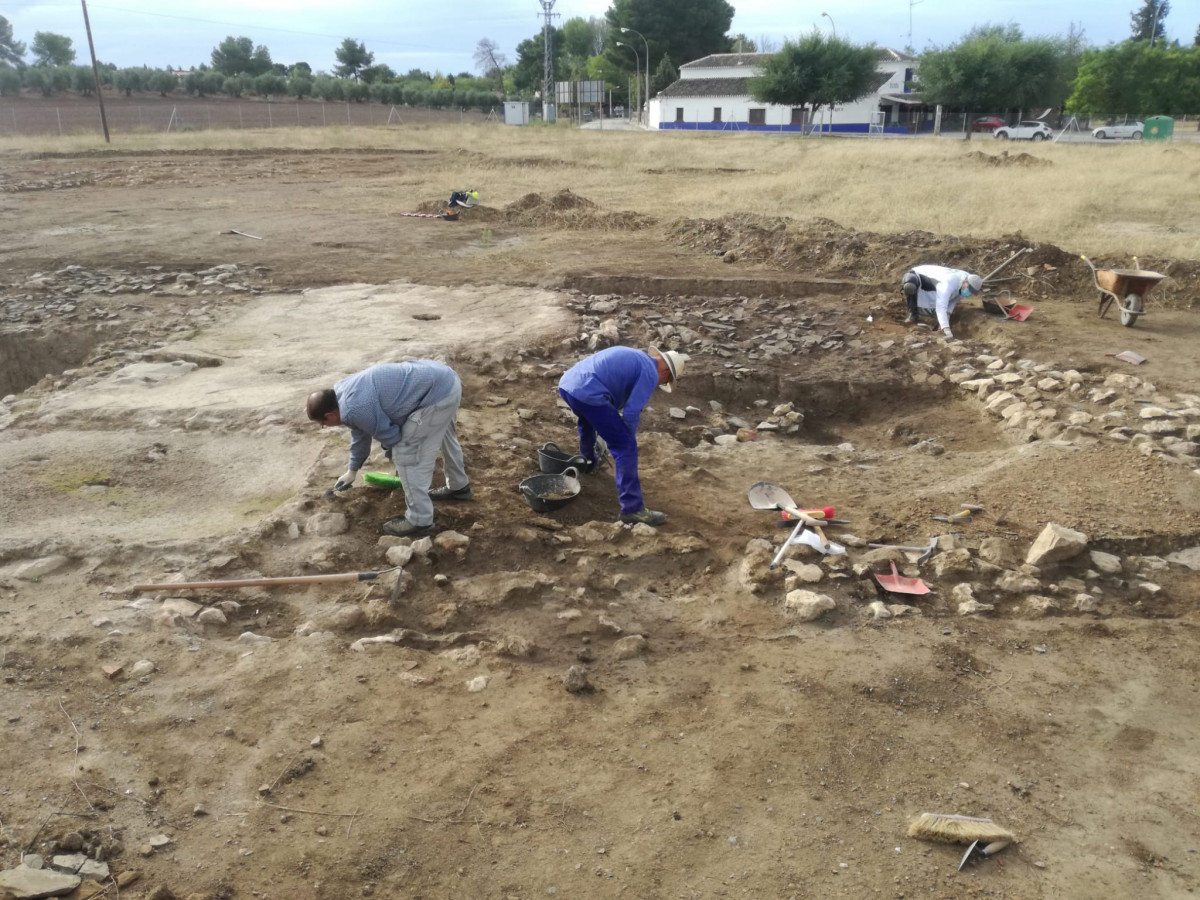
{"points": [[607, 392], [411, 408]]}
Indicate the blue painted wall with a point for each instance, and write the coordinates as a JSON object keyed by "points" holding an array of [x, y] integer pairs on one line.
{"points": [[850, 128]]}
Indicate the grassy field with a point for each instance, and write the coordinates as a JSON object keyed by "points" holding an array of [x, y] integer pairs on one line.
{"points": [[1127, 198]]}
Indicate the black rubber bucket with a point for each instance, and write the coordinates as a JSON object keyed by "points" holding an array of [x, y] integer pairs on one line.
{"points": [[552, 461], [545, 493]]}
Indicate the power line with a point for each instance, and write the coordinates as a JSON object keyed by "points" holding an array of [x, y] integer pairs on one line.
{"points": [[247, 27]]}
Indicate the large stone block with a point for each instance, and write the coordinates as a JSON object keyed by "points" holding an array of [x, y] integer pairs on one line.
{"points": [[1055, 544], [807, 605]]}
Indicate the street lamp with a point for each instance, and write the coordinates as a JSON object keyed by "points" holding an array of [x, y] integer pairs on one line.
{"points": [[625, 30], [637, 68], [831, 25], [1154, 23]]}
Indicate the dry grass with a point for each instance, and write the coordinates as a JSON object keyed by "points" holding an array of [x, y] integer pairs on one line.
{"points": [[1109, 199]]}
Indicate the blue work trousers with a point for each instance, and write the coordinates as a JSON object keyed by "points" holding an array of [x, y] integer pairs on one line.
{"points": [[607, 422]]}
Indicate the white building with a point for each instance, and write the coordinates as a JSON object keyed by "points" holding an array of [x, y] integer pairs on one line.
{"points": [[713, 94]]}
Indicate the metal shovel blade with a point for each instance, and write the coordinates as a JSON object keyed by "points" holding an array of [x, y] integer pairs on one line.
{"points": [[900, 584], [764, 495], [810, 539]]}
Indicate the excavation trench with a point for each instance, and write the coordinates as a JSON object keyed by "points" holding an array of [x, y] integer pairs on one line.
{"points": [[26, 357]]}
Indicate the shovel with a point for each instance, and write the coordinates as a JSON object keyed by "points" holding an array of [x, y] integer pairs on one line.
{"points": [[765, 495], [899, 584]]}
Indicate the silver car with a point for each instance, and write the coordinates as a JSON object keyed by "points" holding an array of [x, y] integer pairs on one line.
{"points": [[1024, 131], [1131, 130]]}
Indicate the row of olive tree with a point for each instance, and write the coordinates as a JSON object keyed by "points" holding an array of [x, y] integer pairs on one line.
{"points": [[48, 80]]}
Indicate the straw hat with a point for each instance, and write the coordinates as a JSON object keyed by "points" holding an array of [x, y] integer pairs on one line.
{"points": [[675, 362]]}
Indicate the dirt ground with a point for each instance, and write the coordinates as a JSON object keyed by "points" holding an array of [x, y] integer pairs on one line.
{"points": [[261, 745]]}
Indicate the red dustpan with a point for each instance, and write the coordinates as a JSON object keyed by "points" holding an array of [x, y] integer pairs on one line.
{"points": [[899, 584], [1014, 311]]}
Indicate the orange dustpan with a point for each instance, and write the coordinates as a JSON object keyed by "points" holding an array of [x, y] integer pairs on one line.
{"points": [[1015, 311], [900, 584]]}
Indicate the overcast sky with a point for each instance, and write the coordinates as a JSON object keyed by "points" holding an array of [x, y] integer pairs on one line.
{"points": [[440, 35]]}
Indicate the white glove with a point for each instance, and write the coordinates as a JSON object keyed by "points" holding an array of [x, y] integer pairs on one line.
{"points": [[346, 481], [947, 332]]}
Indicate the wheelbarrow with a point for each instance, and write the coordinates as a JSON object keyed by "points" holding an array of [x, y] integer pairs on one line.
{"points": [[1128, 288]]}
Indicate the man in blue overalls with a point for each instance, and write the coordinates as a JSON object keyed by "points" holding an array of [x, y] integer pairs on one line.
{"points": [[607, 392]]}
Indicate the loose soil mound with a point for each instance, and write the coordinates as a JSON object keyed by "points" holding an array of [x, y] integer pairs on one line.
{"points": [[561, 210], [822, 245]]}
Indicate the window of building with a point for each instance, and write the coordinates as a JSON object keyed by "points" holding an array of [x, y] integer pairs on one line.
{"points": [[797, 115], [716, 114], [679, 114], [758, 117]]}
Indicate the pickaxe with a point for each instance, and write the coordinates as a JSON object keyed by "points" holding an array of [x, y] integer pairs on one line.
{"points": [[925, 552]]}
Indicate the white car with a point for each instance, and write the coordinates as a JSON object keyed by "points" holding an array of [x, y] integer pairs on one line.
{"points": [[1024, 131], [1128, 130]]}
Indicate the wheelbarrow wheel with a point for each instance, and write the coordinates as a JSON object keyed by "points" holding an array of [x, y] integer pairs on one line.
{"points": [[1130, 310]]}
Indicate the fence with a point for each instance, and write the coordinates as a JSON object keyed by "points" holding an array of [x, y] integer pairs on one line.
{"points": [[34, 118], [982, 124]]}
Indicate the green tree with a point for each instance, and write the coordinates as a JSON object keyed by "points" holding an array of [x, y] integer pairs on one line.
{"points": [[1134, 79], [203, 82], [51, 49], [129, 80], [239, 56], [163, 81], [301, 68], [664, 75], [10, 81], [739, 43], [527, 72], [817, 71], [62, 77], [1146, 22], [992, 68], [1070, 50], [83, 80], [270, 85], [38, 79], [300, 86], [328, 88], [684, 29], [578, 47], [352, 58], [12, 51], [380, 72]]}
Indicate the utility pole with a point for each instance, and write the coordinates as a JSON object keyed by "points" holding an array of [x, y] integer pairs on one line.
{"points": [[911, 4], [548, 62], [95, 71]]}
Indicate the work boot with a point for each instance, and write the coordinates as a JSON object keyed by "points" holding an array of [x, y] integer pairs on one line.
{"points": [[911, 319], [445, 492], [645, 517], [401, 527]]}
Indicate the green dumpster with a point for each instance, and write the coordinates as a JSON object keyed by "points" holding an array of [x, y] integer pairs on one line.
{"points": [[1159, 128]]}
